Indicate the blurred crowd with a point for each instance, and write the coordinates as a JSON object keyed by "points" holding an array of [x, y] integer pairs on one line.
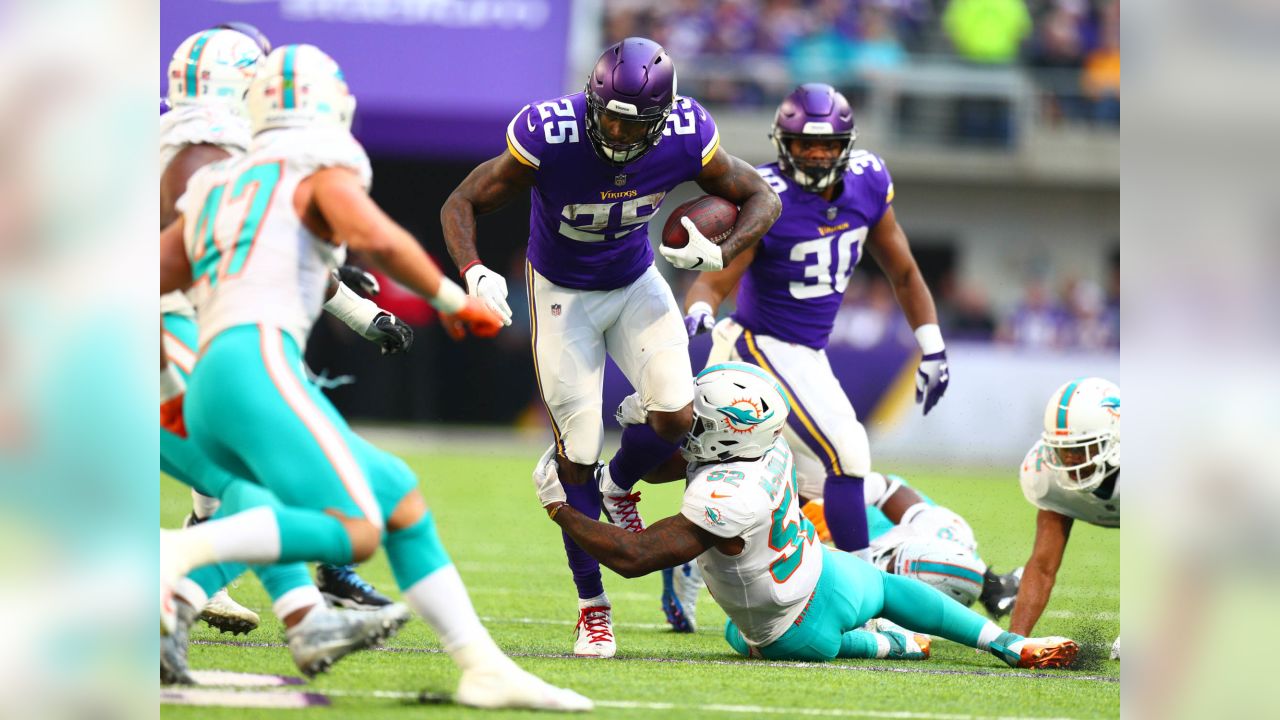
{"points": [[1071, 47], [1074, 314]]}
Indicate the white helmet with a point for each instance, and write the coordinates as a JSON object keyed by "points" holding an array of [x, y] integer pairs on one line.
{"points": [[738, 411], [300, 86], [947, 566], [1082, 432], [213, 66]]}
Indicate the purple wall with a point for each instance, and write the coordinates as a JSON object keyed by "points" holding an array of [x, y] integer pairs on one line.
{"points": [[436, 78]]}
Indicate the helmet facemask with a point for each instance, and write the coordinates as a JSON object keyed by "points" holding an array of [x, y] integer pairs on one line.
{"points": [[1083, 462], [811, 175], [636, 133]]}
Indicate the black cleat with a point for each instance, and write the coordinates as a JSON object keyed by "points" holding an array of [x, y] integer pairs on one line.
{"points": [[342, 587], [999, 592]]}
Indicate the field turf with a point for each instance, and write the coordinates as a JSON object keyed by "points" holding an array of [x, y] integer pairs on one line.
{"points": [[511, 558]]}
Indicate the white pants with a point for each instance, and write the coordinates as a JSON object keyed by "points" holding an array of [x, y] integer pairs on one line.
{"points": [[639, 326], [823, 427]]}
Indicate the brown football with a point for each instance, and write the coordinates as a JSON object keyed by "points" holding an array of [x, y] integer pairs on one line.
{"points": [[714, 216]]}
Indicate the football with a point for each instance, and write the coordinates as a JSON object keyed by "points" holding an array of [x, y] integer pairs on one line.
{"points": [[714, 216]]}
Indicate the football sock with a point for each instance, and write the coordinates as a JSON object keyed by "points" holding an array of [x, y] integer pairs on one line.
{"points": [[202, 505], [846, 511], [283, 580], [442, 601], [210, 579], [584, 498], [297, 598], [913, 604], [863, 644], [642, 450], [415, 552], [253, 526]]}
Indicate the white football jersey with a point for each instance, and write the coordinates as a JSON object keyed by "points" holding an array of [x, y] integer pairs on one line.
{"points": [[252, 259], [1041, 490], [212, 124], [765, 587]]}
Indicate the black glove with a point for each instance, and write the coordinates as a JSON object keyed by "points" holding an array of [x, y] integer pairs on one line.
{"points": [[358, 279], [394, 335]]}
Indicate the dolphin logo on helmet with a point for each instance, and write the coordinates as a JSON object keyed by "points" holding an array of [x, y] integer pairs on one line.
{"points": [[738, 412]]}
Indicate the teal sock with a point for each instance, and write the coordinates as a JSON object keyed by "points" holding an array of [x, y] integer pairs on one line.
{"points": [[212, 578], [1001, 647], [733, 636], [280, 579], [859, 644], [415, 552], [305, 534], [913, 604]]}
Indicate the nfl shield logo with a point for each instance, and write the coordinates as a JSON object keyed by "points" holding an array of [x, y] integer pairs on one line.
{"points": [[555, 310], [620, 179], [831, 212]]}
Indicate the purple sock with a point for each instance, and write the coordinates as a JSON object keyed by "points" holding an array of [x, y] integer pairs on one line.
{"points": [[585, 499], [846, 511], [642, 450]]}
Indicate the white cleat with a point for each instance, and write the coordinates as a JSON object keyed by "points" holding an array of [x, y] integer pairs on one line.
{"points": [[227, 615], [680, 588], [619, 505], [507, 686], [326, 636], [595, 633]]}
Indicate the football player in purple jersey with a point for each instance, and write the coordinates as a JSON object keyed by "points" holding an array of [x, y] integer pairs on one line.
{"points": [[597, 165], [835, 202]]}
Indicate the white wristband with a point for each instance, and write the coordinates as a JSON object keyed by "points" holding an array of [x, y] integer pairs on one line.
{"points": [[449, 297], [171, 383], [357, 312], [930, 339], [700, 306]]}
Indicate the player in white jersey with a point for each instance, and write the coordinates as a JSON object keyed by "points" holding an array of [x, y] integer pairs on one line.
{"points": [[256, 242], [788, 596], [209, 75], [1072, 473], [912, 535]]}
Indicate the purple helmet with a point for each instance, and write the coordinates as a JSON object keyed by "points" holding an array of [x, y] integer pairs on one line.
{"points": [[245, 28], [813, 111], [629, 95]]}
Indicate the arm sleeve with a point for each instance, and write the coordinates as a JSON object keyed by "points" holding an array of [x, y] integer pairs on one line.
{"points": [[525, 137], [726, 517]]}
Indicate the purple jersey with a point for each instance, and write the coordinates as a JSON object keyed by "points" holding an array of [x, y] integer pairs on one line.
{"points": [[588, 228], [795, 284]]}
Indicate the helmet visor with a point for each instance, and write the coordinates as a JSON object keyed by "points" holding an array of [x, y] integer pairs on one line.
{"points": [[815, 161], [621, 138]]}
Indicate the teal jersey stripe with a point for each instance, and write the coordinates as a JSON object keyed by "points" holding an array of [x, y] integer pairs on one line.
{"points": [[287, 77], [1063, 402], [193, 61], [921, 566]]}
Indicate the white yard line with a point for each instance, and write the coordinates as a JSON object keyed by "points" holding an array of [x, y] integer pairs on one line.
{"points": [[913, 669]]}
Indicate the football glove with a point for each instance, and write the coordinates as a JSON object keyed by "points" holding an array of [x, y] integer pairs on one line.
{"points": [[476, 315], [489, 286], [545, 479], [932, 378], [631, 411], [699, 254], [391, 333], [700, 319], [358, 279]]}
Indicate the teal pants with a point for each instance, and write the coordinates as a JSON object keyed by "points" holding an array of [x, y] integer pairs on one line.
{"points": [[850, 592], [252, 411]]}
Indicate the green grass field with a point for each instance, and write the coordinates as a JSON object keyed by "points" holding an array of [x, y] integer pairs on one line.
{"points": [[511, 558]]}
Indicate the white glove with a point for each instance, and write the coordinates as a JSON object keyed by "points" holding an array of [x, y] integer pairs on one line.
{"points": [[546, 480], [701, 318], [489, 286], [631, 411], [699, 254]]}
